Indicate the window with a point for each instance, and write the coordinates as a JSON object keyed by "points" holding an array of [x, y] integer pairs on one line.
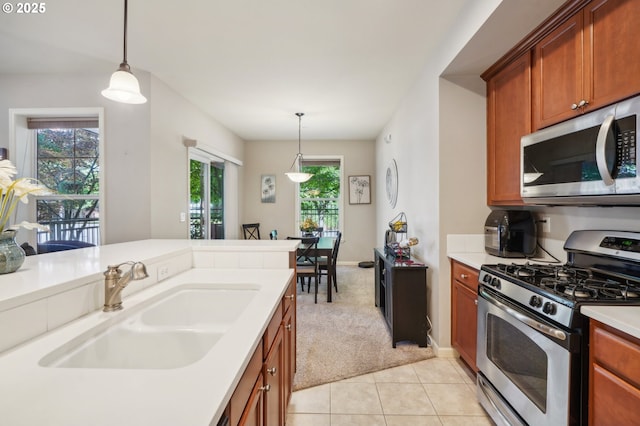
{"points": [[206, 208], [67, 161], [320, 198]]}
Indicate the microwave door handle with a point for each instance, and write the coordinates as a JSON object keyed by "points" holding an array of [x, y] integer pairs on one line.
{"points": [[601, 147]]}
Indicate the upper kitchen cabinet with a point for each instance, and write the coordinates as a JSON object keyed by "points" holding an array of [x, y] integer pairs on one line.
{"points": [[589, 61], [508, 119]]}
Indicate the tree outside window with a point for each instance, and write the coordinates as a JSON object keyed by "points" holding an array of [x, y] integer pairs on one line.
{"points": [[319, 196], [68, 163]]}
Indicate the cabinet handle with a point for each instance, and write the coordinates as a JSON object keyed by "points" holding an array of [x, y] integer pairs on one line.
{"points": [[265, 388], [290, 297], [476, 302], [574, 106], [288, 327], [464, 276], [582, 103], [272, 371]]}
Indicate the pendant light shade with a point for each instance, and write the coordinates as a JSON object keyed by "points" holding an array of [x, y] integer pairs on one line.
{"points": [[124, 86], [298, 176]]}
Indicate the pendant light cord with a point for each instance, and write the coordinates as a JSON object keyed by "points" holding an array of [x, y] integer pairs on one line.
{"points": [[124, 49], [299, 154]]}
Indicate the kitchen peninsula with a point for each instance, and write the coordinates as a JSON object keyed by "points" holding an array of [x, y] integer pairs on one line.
{"points": [[56, 298]]}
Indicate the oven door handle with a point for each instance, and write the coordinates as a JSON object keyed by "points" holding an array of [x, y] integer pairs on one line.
{"points": [[543, 328]]}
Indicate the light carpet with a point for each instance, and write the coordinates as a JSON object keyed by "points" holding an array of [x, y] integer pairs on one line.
{"points": [[348, 337]]}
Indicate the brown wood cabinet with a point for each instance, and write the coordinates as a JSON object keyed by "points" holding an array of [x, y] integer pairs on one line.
{"points": [[614, 376], [508, 119], [264, 391], [586, 51], [588, 62], [464, 312]]}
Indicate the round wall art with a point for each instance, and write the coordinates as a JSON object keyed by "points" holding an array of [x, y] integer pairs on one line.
{"points": [[392, 183]]}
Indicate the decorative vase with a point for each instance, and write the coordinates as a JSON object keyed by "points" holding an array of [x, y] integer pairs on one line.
{"points": [[11, 254]]}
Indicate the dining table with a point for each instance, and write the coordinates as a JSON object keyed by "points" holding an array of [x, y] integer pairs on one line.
{"points": [[325, 248]]}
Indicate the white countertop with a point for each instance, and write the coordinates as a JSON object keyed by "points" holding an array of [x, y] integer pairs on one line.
{"points": [[192, 395], [624, 318], [46, 274], [477, 259]]}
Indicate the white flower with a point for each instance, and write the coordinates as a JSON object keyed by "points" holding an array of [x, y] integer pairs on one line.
{"points": [[13, 191]]}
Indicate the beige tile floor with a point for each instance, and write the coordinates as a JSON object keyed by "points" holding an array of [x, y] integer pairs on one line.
{"points": [[438, 391]]}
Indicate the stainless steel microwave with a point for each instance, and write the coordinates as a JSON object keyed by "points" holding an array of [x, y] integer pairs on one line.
{"points": [[591, 159]]}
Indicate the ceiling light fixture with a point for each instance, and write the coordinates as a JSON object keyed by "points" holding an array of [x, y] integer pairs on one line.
{"points": [[123, 86], [298, 176]]}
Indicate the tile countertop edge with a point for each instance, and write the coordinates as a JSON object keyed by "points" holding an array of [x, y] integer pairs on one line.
{"points": [[623, 318]]}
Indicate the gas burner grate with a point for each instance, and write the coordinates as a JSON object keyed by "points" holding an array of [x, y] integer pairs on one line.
{"points": [[592, 289]]}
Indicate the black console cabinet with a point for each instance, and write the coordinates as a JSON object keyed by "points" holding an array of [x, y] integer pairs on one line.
{"points": [[401, 294]]}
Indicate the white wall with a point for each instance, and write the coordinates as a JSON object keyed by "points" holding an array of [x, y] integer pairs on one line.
{"points": [[146, 176], [126, 140], [275, 158], [172, 118], [438, 141]]}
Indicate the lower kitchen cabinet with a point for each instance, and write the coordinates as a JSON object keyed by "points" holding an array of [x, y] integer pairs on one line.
{"points": [[464, 311], [263, 393], [401, 294], [614, 376]]}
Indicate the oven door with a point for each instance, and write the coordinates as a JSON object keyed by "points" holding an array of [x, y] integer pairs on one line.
{"points": [[526, 362]]}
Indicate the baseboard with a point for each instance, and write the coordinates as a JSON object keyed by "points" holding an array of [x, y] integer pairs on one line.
{"points": [[442, 352]]}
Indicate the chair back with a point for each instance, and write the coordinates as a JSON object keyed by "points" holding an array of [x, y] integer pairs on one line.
{"points": [[273, 235], [336, 246], [251, 231], [307, 253]]}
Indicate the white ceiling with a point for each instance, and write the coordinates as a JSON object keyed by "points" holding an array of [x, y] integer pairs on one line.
{"points": [[251, 64]]}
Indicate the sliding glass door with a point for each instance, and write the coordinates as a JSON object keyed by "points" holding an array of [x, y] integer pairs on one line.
{"points": [[206, 208]]}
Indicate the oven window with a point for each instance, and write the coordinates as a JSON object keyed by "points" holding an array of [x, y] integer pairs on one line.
{"points": [[519, 358]]}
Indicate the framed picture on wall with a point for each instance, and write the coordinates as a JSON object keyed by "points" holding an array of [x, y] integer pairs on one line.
{"points": [[268, 188], [360, 189]]}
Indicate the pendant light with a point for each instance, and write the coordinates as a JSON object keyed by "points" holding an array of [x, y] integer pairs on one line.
{"points": [[298, 176], [123, 86]]}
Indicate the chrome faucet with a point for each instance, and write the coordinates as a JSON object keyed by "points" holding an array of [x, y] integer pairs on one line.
{"points": [[115, 281]]}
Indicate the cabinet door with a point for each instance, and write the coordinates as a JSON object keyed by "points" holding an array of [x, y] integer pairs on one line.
{"points": [[273, 381], [508, 119], [464, 322], [557, 74], [614, 401], [253, 412], [612, 50], [289, 353], [388, 294]]}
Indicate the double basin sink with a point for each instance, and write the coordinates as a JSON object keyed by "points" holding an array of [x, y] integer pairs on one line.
{"points": [[171, 330]]}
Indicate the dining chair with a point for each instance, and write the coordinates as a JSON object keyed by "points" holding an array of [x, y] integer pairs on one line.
{"points": [[251, 231], [307, 262], [324, 266]]}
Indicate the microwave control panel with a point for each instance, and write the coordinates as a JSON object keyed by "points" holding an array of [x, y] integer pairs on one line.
{"points": [[626, 147]]}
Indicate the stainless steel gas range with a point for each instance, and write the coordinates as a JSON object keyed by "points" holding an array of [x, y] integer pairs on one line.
{"points": [[532, 339]]}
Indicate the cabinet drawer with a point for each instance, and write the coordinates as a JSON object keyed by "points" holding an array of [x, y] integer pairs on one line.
{"points": [[616, 351], [465, 275], [289, 298], [272, 329]]}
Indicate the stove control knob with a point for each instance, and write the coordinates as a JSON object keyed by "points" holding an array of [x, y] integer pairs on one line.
{"points": [[535, 301], [549, 308], [495, 283], [487, 279]]}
